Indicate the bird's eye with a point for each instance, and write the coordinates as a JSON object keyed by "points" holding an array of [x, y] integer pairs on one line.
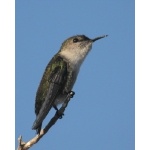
{"points": [[75, 40]]}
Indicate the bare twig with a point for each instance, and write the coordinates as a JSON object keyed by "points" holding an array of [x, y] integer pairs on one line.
{"points": [[25, 146]]}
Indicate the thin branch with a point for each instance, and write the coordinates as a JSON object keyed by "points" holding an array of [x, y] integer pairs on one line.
{"points": [[25, 146]]}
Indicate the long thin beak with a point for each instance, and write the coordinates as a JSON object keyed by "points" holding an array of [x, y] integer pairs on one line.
{"points": [[100, 37]]}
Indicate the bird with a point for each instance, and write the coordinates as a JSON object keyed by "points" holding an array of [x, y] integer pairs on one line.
{"points": [[60, 75]]}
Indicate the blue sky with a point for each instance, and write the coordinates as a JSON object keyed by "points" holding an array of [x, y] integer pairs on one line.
{"points": [[101, 114]]}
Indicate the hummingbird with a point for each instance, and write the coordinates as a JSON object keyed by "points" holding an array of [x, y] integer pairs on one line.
{"points": [[60, 75]]}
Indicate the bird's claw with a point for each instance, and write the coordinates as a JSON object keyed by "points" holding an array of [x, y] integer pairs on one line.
{"points": [[71, 94], [60, 115]]}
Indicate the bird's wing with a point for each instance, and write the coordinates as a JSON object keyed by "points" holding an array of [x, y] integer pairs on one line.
{"points": [[52, 83]]}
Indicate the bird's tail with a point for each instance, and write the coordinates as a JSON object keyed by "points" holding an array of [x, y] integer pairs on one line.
{"points": [[47, 105], [37, 127]]}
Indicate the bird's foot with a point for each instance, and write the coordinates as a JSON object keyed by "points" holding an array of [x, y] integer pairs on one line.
{"points": [[58, 112], [71, 94], [55, 107], [60, 115]]}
